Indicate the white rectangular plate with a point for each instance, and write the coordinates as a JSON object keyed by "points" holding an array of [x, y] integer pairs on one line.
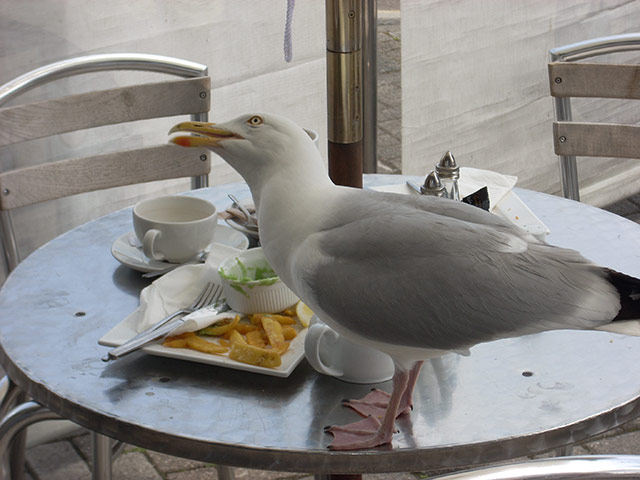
{"points": [[515, 210], [290, 360]]}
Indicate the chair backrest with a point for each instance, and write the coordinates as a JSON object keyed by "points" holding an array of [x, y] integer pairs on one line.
{"points": [[49, 180], [569, 79], [591, 467]]}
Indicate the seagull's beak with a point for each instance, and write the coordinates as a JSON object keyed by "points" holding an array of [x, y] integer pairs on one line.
{"points": [[206, 134]]}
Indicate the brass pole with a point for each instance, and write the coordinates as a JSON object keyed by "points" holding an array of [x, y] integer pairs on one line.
{"points": [[344, 91], [369, 85]]}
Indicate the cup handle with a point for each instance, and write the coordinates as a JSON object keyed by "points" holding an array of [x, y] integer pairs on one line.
{"points": [[148, 242], [312, 344]]}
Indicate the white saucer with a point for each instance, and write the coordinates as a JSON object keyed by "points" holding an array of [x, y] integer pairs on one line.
{"points": [[129, 254]]}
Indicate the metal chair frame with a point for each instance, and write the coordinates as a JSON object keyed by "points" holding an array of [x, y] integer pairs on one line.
{"points": [[592, 467], [16, 412], [571, 53]]}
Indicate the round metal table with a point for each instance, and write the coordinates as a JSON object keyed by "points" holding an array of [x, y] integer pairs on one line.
{"points": [[509, 398]]}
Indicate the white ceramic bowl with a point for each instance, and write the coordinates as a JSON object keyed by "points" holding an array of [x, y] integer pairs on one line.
{"points": [[251, 286]]}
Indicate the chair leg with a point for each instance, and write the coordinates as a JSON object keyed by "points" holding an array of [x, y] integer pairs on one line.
{"points": [[17, 455], [569, 178], [564, 451], [10, 397], [13, 464], [11, 426]]}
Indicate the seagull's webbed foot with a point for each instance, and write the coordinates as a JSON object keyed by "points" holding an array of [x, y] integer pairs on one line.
{"points": [[366, 433], [376, 401], [373, 403], [371, 432]]}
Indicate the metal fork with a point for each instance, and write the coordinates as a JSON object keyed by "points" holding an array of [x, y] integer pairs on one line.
{"points": [[210, 294], [245, 212]]}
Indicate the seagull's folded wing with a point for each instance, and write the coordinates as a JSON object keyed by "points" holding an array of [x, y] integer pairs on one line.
{"points": [[393, 272]]}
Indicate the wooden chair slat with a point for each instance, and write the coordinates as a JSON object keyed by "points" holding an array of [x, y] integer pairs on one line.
{"points": [[107, 107], [596, 140], [569, 79], [26, 186]]}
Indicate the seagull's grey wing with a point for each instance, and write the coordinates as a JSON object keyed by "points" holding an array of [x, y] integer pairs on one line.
{"points": [[448, 208], [398, 274]]}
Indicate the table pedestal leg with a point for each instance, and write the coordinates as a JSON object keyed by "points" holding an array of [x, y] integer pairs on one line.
{"points": [[225, 473], [102, 456]]}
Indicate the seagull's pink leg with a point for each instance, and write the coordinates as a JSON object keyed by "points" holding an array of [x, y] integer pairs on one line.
{"points": [[370, 432], [406, 403], [375, 402]]}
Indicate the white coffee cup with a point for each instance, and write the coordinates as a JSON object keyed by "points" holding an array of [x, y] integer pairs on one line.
{"points": [[174, 228], [331, 354]]}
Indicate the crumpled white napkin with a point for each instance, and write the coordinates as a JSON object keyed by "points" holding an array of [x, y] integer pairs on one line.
{"points": [[202, 318], [471, 180], [178, 288]]}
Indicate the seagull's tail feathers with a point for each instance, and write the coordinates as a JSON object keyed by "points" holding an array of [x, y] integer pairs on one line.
{"points": [[629, 289], [628, 319]]}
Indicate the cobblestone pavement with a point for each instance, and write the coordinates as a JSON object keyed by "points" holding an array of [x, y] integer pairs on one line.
{"points": [[69, 458]]}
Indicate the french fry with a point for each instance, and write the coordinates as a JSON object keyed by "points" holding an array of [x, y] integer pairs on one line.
{"points": [[256, 318], [236, 337], [181, 335], [245, 328], [177, 341], [254, 355], [221, 327], [202, 345], [259, 341], [174, 342], [284, 319], [289, 333], [273, 329], [256, 338]]}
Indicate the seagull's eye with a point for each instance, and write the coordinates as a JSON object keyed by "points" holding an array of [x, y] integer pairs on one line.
{"points": [[255, 121]]}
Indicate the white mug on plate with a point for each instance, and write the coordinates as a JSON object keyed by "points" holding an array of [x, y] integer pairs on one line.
{"points": [[174, 228], [331, 354]]}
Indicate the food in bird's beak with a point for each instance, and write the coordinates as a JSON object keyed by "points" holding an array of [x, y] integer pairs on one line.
{"points": [[205, 134]]}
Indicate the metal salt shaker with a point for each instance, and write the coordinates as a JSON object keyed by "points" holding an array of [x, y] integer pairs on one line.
{"points": [[449, 172], [433, 186]]}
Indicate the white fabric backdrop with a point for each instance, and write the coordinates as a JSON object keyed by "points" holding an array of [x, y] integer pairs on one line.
{"points": [[474, 80], [241, 41]]}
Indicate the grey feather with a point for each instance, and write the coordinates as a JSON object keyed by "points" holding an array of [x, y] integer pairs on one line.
{"points": [[405, 275]]}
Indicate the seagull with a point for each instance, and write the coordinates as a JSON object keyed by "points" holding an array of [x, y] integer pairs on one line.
{"points": [[415, 277]]}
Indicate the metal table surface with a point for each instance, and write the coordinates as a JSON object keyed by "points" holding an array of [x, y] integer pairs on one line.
{"points": [[509, 398]]}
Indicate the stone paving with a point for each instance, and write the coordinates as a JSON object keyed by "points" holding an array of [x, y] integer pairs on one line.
{"points": [[70, 458]]}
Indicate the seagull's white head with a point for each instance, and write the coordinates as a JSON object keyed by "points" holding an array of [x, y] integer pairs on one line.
{"points": [[258, 146]]}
